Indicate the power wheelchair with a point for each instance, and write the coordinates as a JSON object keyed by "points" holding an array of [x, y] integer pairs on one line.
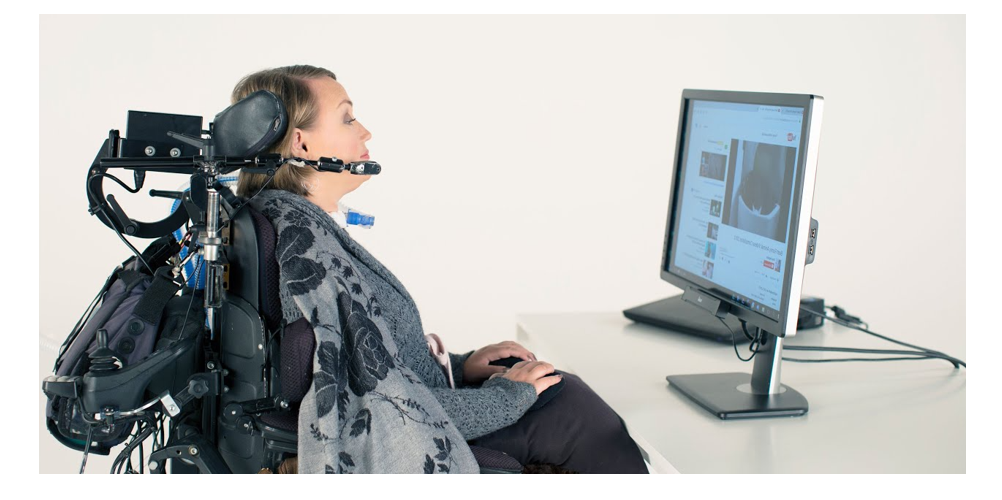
{"points": [[224, 397]]}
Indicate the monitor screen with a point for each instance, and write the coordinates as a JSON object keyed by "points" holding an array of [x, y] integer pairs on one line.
{"points": [[734, 217]]}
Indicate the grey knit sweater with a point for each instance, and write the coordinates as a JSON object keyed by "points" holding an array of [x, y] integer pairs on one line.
{"points": [[475, 410]]}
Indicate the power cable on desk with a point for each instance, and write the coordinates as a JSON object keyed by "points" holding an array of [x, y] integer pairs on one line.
{"points": [[843, 360], [856, 325], [917, 354], [920, 354]]}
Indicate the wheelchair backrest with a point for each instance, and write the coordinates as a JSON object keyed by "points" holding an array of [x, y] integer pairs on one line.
{"points": [[264, 359]]}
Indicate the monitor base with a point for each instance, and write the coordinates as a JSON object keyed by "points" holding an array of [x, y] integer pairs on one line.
{"points": [[729, 396], [680, 316]]}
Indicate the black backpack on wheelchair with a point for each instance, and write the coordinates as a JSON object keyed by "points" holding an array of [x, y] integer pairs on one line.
{"points": [[213, 377]]}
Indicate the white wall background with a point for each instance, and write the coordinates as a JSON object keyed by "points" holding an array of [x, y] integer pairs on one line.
{"points": [[527, 159]]}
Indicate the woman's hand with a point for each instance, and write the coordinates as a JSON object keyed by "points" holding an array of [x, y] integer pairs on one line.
{"points": [[532, 372], [478, 368]]}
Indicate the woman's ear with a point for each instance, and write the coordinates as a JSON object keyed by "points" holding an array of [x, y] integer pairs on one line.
{"points": [[299, 146]]}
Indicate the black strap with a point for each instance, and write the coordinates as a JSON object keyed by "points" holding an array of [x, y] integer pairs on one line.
{"points": [[155, 298]]}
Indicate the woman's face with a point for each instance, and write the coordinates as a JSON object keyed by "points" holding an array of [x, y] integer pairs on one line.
{"points": [[336, 133]]}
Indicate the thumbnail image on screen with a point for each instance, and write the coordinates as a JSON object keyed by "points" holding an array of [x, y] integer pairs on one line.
{"points": [[712, 230], [714, 208], [712, 166]]}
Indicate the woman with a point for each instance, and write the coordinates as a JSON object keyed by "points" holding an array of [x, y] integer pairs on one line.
{"points": [[395, 401]]}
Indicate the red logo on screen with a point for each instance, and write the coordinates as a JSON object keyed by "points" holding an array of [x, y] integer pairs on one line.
{"points": [[774, 264], [790, 137]]}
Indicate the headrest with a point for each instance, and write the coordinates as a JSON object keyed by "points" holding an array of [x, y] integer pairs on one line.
{"points": [[249, 127]]}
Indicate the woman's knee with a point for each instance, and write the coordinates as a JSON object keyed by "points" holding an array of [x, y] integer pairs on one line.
{"points": [[600, 433]]}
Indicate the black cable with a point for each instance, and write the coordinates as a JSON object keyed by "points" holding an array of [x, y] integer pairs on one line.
{"points": [[921, 354], [841, 360], [192, 301], [865, 329], [744, 328], [119, 181], [128, 465], [756, 341], [156, 431], [139, 255], [857, 350], [129, 469], [734, 342], [247, 202], [162, 421], [936, 354], [126, 454], [871, 351], [116, 465], [90, 434]]}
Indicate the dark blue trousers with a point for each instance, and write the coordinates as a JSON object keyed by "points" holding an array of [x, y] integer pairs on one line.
{"points": [[576, 430]]}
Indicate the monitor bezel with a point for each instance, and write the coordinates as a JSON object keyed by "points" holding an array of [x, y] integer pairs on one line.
{"points": [[806, 169]]}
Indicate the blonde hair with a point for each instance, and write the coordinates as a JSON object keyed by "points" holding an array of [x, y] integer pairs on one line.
{"points": [[289, 84]]}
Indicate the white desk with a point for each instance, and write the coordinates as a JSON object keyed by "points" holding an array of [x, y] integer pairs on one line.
{"points": [[886, 417]]}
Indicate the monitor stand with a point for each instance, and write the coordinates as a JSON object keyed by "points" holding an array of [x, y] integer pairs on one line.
{"points": [[736, 395]]}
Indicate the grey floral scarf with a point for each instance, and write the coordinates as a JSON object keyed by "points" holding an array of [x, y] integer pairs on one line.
{"points": [[366, 412]]}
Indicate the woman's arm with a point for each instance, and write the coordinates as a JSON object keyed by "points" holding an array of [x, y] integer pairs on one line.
{"points": [[500, 402], [457, 361]]}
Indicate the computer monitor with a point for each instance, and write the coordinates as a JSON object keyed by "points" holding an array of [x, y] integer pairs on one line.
{"points": [[739, 229]]}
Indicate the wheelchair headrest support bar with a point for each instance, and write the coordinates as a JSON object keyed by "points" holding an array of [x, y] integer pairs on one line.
{"points": [[112, 214]]}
